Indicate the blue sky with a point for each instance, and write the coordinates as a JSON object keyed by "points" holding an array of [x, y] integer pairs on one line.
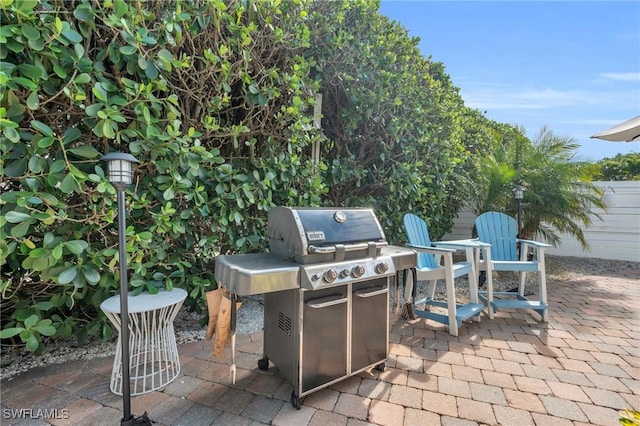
{"points": [[572, 66]]}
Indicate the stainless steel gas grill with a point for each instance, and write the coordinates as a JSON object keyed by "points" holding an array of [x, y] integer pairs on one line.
{"points": [[326, 285]]}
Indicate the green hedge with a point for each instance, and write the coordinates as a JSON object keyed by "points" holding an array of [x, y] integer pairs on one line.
{"points": [[216, 100]]}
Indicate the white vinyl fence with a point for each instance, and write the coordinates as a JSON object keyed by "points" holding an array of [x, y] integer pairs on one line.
{"points": [[615, 237]]}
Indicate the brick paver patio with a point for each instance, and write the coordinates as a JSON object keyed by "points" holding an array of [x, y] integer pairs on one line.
{"points": [[581, 367]]}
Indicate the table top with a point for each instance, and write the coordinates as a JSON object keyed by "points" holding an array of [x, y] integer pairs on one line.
{"points": [[145, 301]]}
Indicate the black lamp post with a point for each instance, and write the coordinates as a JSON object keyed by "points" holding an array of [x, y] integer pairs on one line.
{"points": [[120, 172], [519, 195]]}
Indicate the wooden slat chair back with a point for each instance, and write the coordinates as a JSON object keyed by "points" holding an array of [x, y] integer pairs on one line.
{"points": [[418, 235], [499, 230], [435, 262]]}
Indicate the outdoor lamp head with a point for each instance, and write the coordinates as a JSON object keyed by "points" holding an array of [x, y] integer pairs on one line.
{"points": [[120, 168], [519, 191]]}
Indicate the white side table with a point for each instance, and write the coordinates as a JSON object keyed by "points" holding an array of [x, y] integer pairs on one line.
{"points": [[153, 353]]}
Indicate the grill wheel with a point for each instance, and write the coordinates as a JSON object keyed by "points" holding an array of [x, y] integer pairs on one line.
{"points": [[263, 363]]}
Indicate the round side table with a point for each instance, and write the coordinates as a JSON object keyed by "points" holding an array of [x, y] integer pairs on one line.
{"points": [[153, 353]]}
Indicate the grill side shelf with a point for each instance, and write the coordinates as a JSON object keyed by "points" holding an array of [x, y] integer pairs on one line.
{"points": [[249, 274], [403, 257]]}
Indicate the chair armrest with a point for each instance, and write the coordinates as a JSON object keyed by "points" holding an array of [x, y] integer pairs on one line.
{"points": [[536, 244], [432, 250]]}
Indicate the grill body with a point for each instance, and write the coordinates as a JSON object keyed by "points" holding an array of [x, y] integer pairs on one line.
{"points": [[326, 284]]}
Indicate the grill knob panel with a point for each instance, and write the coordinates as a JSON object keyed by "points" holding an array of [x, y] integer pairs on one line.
{"points": [[382, 267], [357, 271], [330, 276]]}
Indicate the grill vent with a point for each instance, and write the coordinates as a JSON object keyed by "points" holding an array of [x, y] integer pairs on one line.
{"points": [[284, 323]]}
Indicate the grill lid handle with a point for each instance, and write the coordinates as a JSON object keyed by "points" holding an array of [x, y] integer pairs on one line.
{"points": [[372, 249], [348, 247]]}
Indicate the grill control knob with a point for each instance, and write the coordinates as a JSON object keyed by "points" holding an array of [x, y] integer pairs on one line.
{"points": [[357, 271], [344, 273], [330, 276], [382, 267]]}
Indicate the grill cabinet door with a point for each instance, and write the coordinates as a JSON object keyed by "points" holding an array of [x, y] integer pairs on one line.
{"points": [[369, 323], [324, 347]]}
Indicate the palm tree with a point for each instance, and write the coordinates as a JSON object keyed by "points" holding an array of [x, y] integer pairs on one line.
{"points": [[492, 185], [559, 196]]}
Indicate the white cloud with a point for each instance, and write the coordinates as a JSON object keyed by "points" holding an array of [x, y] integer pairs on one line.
{"points": [[494, 98], [621, 76], [594, 122], [486, 95]]}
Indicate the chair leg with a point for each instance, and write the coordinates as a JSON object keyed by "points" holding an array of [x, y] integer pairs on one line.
{"points": [[523, 281], [542, 284], [431, 292], [473, 283], [452, 308], [490, 294], [453, 329], [451, 297]]}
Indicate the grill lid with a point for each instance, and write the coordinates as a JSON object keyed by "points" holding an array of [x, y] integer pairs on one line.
{"points": [[315, 234]]}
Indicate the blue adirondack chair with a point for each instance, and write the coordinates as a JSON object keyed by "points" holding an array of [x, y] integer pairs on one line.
{"points": [[498, 232], [431, 270]]}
